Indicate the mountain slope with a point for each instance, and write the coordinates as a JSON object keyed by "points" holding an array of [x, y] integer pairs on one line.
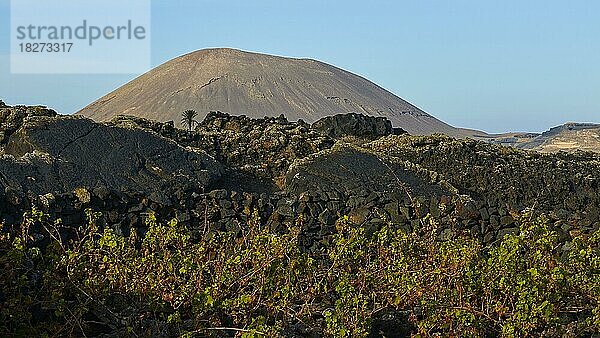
{"points": [[258, 85]]}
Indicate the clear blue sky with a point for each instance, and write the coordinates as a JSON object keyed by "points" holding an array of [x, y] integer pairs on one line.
{"points": [[490, 65]]}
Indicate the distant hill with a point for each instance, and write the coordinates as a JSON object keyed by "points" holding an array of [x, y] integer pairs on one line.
{"points": [[567, 137], [258, 85]]}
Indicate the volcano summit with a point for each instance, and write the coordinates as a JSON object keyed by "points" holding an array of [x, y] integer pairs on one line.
{"points": [[258, 85]]}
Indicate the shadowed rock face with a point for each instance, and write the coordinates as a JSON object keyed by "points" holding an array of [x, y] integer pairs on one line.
{"points": [[346, 171], [11, 118], [62, 154], [258, 85]]}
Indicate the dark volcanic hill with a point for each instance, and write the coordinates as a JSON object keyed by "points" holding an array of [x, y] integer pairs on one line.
{"points": [[258, 85]]}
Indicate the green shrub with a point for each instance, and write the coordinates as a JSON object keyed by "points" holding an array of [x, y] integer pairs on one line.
{"points": [[260, 284]]}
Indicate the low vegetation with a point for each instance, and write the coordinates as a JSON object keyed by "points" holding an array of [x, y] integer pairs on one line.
{"points": [[176, 281]]}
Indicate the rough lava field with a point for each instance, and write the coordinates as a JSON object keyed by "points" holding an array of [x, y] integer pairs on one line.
{"points": [[268, 227]]}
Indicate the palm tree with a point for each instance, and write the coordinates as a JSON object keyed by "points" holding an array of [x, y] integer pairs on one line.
{"points": [[188, 118]]}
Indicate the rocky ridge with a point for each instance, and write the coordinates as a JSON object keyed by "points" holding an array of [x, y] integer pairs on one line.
{"points": [[233, 168]]}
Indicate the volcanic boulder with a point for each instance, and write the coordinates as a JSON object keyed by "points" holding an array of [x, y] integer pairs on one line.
{"points": [[353, 124], [62, 154]]}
